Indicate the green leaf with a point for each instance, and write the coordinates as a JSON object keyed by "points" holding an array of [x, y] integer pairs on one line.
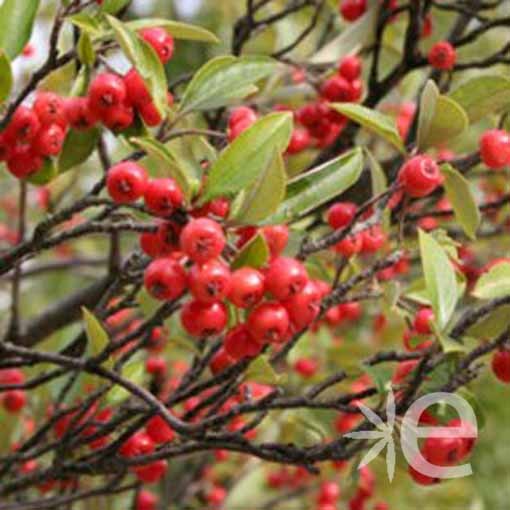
{"points": [[308, 191], [46, 174], [261, 371], [460, 194], [16, 22], [495, 283], [87, 23], [491, 326], [372, 120], [377, 176], [224, 79], [85, 49], [98, 338], [188, 183], [113, 6], [176, 29], [78, 146], [242, 162], [265, 195], [352, 39], [482, 96], [428, 103], [134, 372], [439, 278], [381, 376], [255, 254], [145, 60], [6, 78]]}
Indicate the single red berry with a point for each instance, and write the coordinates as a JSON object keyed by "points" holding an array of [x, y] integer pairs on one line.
{"points": [[422, 320], [427, 27], [137, 92], [50, 109], [202, 240], [350, 67], [216, 496], [204, 319], [118, 117], [246, 287], [23, 127], [49, 141], [285, 277], [442, 56], [161, 41], [221, 361], [23, 161], [306, 367], [373, 239], [79, 114], [501, 365], [11, 376], [210, 282], [126, 182], [14, 400], [443, 451], [165, 279], [269, 323], [146, 500], [468, 436], [349, 246], [239, 343], [242, 114], [277, 237], [150, 114], [238, 128], [337, 89], [304, 307], [420, 478], [299, 141], [495, 148], [106, 92], [163, 196], [138, 444], [356, 90], [156, 365], [159, 430], [329, 492], [168, 234], [420, 176], [151, 473], [341, 214], [351, 10], [403, 370]]}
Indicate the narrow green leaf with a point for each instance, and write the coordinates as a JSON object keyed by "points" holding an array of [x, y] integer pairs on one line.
{"points": [[134, 372], [85, 49], [97, 337], [16, 22], [482, 96], [242, 162], [224, 79], [308, 191], [176, 29], [440, 278], [261, 371], [381, 376], [113, 6], [6, 78], [46, 174], [78, 146], [495, 283], [265, 195], [428, 102], [377, 175], [87, 23], [460, 194], [255, 254], [372, 120], [491, 326]]}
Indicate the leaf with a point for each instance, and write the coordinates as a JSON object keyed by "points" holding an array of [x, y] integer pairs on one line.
{"points": [[224, 79], [145, 60], [261, 371], [460, 194], [78, 146], [308, 191], [241, 163], [188, 183], [495, 283], [46, 174], [98, 338], [134, 372], [113, 6], [87, 23], [440, 278], [381, 376], [372, 120], [265, 195], [6, 78], [377, 176], [16, 22], [428, 103], [176, 29], [85, 49], [353, 38], [482, 96], [255, 253], [491, 326]]}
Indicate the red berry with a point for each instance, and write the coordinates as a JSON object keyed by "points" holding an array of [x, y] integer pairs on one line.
{"points": [[404, 368], [468, 443], [420, 176], [210, 282], [151, 473], [501, 365], [341, 214], [50, 140], [163, 196], [145, 500], [138, 444], [23, 161], [246, 287], [137, 92], [216, 496], [165, 279], [150, 114], [304, 307], [351, 10], [241, 114], [329, 492], [221, 361], [79, 114], [373, 239], [269, 323], [238, 128], [204, 319], [14, 400], [161, 41], [422, 321], [349, 246], [126, 182], [495, 148], [277, 237], [240, 344], [156, 365], [11, 376], [350, 67], [118, 118], [50, 109], [412, 344], [299, 141], [168, 237], [427, 26], [159, 430], [23, 127], [306, 367], [442, 56], [285, 277], [202, 240], [420, 478], [337, 89], [106, 92], [443, 451]]}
